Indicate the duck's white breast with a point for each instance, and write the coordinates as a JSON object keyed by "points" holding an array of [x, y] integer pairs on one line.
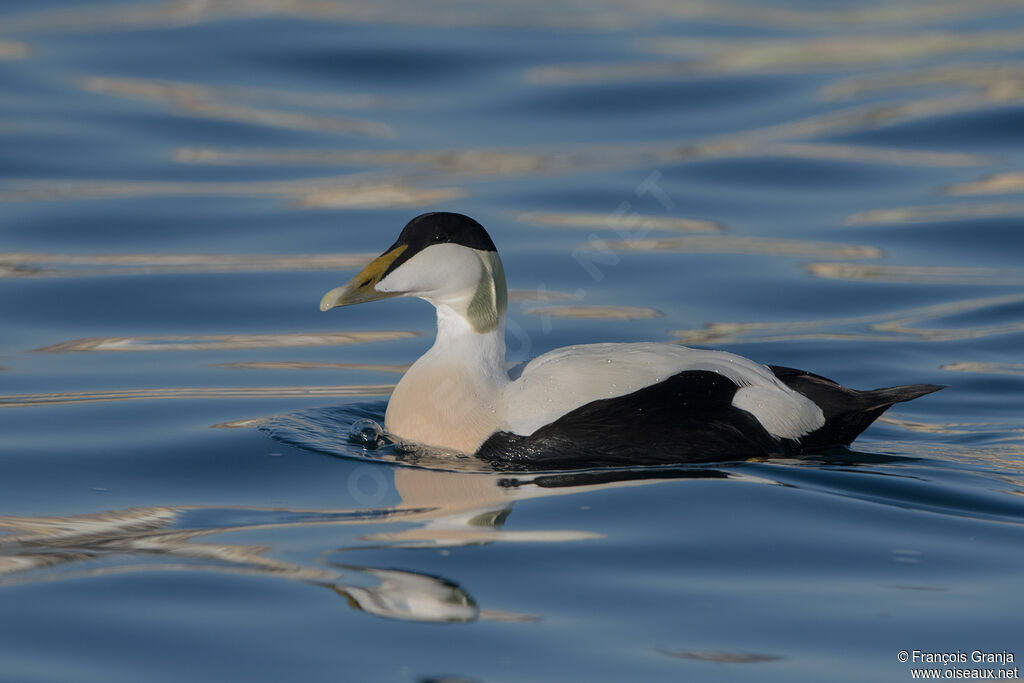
{"points": [[444, 405]]}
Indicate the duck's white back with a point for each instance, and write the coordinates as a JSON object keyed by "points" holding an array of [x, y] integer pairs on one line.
{"points": [[562, 380]]}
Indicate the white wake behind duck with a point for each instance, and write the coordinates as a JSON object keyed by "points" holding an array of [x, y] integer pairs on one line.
{"points": [[593, 404]]}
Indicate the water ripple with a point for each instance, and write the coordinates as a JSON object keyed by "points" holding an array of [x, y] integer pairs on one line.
{"points": [[215, 103], [888, 326], [190, 393], [220, 342], [36, 264]]}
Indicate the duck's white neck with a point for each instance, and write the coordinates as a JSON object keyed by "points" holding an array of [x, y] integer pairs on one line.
{"points": [[452, 396], [457, 341]]}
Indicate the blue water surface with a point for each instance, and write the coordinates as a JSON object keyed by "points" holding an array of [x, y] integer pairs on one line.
{"points": [[831, 186]]}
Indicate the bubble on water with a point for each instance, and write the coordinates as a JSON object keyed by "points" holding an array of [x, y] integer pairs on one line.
{"points": [[366, 433]]}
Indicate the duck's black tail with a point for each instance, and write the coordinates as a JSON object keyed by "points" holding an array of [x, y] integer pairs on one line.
{"points": [[848, 412]]}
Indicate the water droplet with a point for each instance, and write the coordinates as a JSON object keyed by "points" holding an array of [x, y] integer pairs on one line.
{"points": [[366, 433]]}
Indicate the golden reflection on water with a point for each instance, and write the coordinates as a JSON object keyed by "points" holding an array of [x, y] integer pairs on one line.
{"points": [[729, 244], [1005, 455], [596, 312], [941, 212], [191, 393], [13, 50], [476, 164], [206, 101], [492, 163], [999, 183], [361, 190], [870, 117], [562, 14], [956, 428], [771, 142], [451, 162], [890, 326], [220, 342], [310, 365], [991, 83], [541, 294], [988, 86], [932, 275], [615, 221], [355, 191], [692, 57], [832, 52], [375, 196], [986, 368], [37, 264], [998, 80], [825, 16], [187, 93], [873, 155], [107, 16]]}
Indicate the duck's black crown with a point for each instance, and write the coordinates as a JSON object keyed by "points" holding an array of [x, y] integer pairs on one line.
{"points": [[442, 227], [439, 227]]}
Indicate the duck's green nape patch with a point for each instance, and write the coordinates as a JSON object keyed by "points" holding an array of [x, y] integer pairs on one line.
{"points": [[490, 300]]}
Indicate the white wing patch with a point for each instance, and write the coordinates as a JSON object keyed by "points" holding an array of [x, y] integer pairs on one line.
{"points": [[776, 413], [564, 379]]}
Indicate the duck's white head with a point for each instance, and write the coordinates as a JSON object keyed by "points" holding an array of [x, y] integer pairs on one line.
{"points": [[447, 259]]}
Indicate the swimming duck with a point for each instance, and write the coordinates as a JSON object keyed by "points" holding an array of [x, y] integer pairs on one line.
{"points": [[591, 404]]}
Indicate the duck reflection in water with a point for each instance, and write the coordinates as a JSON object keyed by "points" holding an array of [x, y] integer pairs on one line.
{"points": [[437, 509]]}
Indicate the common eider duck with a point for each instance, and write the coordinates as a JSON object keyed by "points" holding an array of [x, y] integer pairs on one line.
{"points": [[591, 404]]}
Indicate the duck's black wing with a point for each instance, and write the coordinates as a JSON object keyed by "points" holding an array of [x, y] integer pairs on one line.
{"points": [[688, 417], [848, 412]]}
